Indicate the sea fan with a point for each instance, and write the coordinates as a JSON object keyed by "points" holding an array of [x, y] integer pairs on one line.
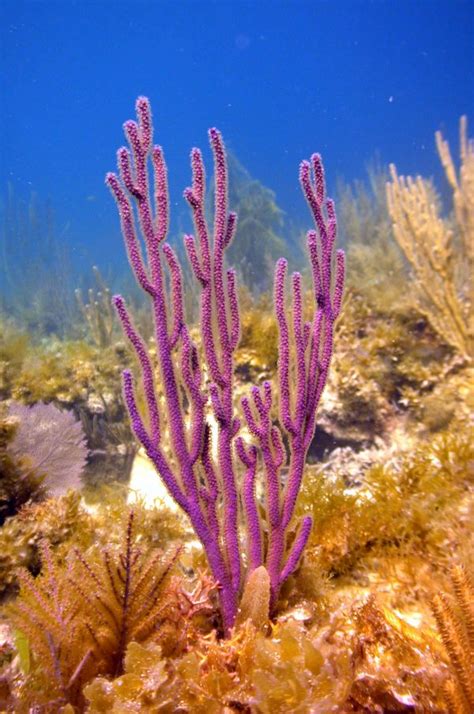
{"points": [[52, 443]]}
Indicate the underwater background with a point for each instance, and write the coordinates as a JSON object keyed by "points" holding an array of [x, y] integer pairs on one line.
{"points": [[352, 80], [308, 544]]}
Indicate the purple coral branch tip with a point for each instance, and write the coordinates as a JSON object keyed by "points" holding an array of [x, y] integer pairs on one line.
{"points": [[119, 303], [305, 168], [214, 133], [143, 102]]}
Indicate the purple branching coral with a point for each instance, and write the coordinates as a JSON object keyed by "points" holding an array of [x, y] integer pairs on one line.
{"points": [[237, 534]]}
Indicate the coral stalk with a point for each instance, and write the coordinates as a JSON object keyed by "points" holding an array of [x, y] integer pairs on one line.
{"points": [[208, 489]]}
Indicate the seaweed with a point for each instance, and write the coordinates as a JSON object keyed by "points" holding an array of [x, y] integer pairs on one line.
{"points": [[97, 313], [14, 346], [402, 508], [61, 522], [250, 672]]}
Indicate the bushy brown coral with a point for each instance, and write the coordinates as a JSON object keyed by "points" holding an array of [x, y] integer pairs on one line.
{"points": [[441, 257], [66, 522], [455, 619], [80, 618]]}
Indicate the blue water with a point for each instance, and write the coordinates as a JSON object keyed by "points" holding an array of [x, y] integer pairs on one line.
{"points": [[280, 79]]}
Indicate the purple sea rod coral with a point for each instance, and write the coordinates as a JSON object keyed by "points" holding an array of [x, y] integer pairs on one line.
{"points": [[222, 505]]}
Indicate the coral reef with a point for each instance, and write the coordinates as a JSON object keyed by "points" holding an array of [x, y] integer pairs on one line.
{"points": [[104, 611], [390, 366], [352, 629], [85, 379], [406, 506]]}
